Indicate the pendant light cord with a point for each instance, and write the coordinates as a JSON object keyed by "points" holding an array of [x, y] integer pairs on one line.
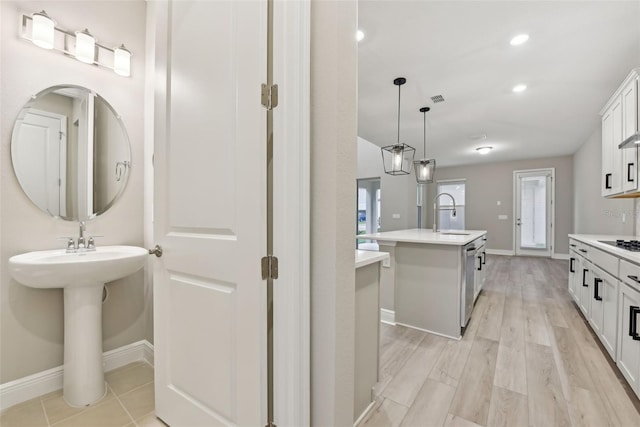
{"points": [[399, 86], [424, 144]]}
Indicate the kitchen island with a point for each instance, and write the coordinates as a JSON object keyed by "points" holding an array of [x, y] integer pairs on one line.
{"points": [[433, 277]]}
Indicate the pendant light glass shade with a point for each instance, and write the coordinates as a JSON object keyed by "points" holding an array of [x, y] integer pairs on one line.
{"points": [[85, 47], [397, 159], [425, 168], [42, 30], [122, 61]]}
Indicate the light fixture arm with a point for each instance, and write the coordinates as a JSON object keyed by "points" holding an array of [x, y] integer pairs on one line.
{"points": [[424, 110], [399, 82]]}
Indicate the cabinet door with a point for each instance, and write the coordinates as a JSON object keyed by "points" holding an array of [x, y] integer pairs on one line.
{"points": [[585, 288], [616, 157], [596, 309], [630, 127], [607, 153], [572, 275], [609, 293], [628, 359]]}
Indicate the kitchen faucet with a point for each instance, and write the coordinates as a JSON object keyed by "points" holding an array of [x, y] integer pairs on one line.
{"points": [[435, 209]]}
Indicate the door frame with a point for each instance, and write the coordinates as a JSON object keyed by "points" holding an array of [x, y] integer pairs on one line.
{"points": [[552, 212], [291, 213]]}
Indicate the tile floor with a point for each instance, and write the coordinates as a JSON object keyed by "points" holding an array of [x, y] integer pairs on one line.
{"points": [[129, 402]]}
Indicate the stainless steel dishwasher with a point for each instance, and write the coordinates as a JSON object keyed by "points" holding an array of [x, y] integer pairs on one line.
{"points": [[469, 254]]}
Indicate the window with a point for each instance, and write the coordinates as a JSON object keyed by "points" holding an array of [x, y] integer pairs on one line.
{"points": [[446, 220], [368, 214]]}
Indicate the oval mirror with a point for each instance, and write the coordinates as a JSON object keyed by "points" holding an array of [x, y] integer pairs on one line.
{"points": [[70, 152]]}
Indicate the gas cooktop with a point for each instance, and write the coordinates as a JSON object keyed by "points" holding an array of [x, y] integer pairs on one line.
{"points": [[630, 245]]}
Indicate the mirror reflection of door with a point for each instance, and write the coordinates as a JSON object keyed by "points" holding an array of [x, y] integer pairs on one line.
{"points": [[40, 170], [533, 225], [368, 213]]}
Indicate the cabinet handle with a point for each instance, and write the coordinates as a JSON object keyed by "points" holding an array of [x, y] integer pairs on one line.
{"points": [[633, 322], [571, 267], [484, 258], [584, 278], [596, 289], [606, 181], [629, 178], [479, 263], [634, 278], [584, 251], [572, 245]]}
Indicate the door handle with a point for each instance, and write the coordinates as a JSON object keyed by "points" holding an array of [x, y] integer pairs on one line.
{"points": [[156, 250], [596, 289], [584, 278], [633, 322], [629, 178]]}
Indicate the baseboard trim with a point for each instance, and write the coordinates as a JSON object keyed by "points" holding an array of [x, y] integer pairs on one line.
{"points": [[364, 413], [388, 316], [32, 386], [561, 256], [430, 332], [504, 252]]}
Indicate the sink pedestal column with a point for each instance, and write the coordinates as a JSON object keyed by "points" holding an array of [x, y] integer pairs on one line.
{"points": [[83, 372]]}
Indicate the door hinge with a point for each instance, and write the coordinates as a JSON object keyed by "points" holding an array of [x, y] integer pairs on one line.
{"points": [[269, 267], [269, 96]]}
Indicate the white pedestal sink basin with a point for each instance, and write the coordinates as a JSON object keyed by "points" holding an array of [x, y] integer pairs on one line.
{"points": [[82, 275]]}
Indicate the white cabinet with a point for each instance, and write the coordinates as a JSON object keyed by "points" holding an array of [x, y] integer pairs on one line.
{"points": [[628, 359], [573, 274], [604, 308], [481, 266], [620, 120], [584, 302]]}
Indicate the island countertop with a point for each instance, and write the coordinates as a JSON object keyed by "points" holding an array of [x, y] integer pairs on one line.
{"points": [[423, 235]]}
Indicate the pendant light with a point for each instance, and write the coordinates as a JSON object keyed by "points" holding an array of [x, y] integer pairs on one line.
{"points": [[397, 159], [425, 168]]}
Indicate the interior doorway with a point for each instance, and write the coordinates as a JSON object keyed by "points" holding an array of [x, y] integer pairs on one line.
{"points": [[368, 212], [533, 212]]}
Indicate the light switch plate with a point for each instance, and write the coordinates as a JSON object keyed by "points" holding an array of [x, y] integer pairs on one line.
{"points": [[503, 217]]}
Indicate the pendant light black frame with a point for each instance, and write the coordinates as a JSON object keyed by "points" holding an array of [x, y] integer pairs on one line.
{"points": [[395, 158], [425, 168]]}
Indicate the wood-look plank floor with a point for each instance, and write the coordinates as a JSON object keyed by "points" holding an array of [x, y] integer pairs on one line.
{"points": [[528, 358]]}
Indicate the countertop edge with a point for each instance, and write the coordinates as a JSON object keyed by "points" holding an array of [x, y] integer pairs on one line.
{"points": [[392, 236], [364, 258]]}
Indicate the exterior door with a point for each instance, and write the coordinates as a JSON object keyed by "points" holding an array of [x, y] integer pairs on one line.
{"points": [[533, 208], [210, 213]]}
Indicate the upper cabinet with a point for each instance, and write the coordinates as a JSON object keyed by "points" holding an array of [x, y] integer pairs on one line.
{"points": [[620, 120]]}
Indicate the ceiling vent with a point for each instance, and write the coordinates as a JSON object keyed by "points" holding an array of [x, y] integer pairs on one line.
{"points": [[437, 98]]}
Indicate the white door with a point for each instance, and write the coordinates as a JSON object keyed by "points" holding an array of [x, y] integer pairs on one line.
{"points": [[210, 213], [42, 152], [533, 212]]}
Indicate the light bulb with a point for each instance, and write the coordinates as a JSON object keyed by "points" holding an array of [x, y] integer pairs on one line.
{"points": [[423, 171], [122, 61], [519, 39], [42, 30], [519, 88], [85, 47], [359, 35], [397, 159], [484, 150]]}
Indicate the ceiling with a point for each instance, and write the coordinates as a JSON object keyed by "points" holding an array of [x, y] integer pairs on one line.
{"points": [[577, 55]]}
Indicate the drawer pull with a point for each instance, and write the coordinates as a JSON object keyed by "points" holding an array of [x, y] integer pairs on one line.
{"points": [[584, 251], [634, 278], [633, 322], [596, 289], [572, 245]]}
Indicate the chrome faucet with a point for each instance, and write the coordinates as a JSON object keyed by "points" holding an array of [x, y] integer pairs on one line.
{"points": [[81, 243], [435, 209]]}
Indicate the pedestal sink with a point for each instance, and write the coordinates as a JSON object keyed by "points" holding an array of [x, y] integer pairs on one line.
{"points": [[82, 275]]}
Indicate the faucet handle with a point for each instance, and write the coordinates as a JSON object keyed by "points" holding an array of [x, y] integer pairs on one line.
{"points": [[71, 245], [91, 244]]}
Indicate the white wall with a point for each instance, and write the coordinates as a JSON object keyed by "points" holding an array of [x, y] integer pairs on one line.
{"points": [[592, 213], [31, 320], [397, 193], [333, 205]]}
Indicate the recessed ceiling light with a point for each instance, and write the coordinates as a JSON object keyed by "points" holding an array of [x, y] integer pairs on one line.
{"points": [[519, 39], [359, 35], [484, 150], [519, 88]]}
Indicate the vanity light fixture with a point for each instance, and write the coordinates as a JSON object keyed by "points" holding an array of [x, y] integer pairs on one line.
{"points": [[397, 159], [519, 88], [425, 168], [41, 30], [519, 39], [85, 47], [484, 150]]}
